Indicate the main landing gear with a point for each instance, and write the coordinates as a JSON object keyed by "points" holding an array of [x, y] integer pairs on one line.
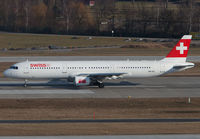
{"points": [[99, 84]]}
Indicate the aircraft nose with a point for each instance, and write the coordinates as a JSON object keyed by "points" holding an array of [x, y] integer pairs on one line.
{"points": [[6, 73]]}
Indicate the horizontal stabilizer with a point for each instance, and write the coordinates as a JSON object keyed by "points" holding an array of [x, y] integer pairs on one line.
{"points": [[183, 67]]}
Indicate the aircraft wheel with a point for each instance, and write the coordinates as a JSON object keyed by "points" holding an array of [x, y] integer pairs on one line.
{"points": [[101, 85]]}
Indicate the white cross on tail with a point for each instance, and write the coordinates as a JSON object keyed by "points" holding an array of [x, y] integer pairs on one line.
{"points": [[181, 48]]}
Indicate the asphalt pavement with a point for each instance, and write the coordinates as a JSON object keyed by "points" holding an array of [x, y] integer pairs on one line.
{"points": [[158, 87]]}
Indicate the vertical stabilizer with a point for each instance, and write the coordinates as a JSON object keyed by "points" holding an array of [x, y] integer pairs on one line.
{"points": [[180, 50]]}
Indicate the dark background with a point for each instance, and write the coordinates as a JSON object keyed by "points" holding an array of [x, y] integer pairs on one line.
{"points": [[146, 18]]}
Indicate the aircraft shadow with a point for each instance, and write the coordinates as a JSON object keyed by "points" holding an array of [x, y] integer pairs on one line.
{"points": [[122, 83], [63, 84]]}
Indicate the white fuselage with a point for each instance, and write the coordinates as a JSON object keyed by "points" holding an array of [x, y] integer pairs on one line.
{"points": [[93, 72], [66, 69]]}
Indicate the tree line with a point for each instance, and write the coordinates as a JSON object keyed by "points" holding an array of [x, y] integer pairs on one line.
{"points": [[76, 17]]}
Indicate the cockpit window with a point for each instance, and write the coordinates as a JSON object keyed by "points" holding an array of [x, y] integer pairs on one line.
{"points": [[14, 67]]}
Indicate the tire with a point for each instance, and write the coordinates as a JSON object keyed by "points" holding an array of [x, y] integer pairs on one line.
{"points": [[101, 85]]}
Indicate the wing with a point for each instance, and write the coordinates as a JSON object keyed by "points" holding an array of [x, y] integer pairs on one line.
{"points": [[101, 76]]}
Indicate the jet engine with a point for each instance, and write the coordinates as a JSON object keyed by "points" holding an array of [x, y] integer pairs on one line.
{"points": [[82, 81]]}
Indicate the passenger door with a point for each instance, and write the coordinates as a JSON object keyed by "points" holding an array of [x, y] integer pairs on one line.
{"points": [[26, 69], [64, 68], [162, 68]]}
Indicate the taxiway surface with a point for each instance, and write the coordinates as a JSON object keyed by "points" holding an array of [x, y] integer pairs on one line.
{"points": [[158, 87]]}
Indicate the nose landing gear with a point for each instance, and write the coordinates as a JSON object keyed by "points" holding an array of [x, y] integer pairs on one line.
{"points": [[25, 82]]}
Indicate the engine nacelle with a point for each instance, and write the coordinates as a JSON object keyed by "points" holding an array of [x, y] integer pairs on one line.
{"points": [[81, 81]]}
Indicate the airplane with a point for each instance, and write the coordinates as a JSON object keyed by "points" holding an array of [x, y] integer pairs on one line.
{"points": [[84, 73]]}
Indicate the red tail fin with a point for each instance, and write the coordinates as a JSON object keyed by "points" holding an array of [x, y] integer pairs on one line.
{"points": [[180, 50]]}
